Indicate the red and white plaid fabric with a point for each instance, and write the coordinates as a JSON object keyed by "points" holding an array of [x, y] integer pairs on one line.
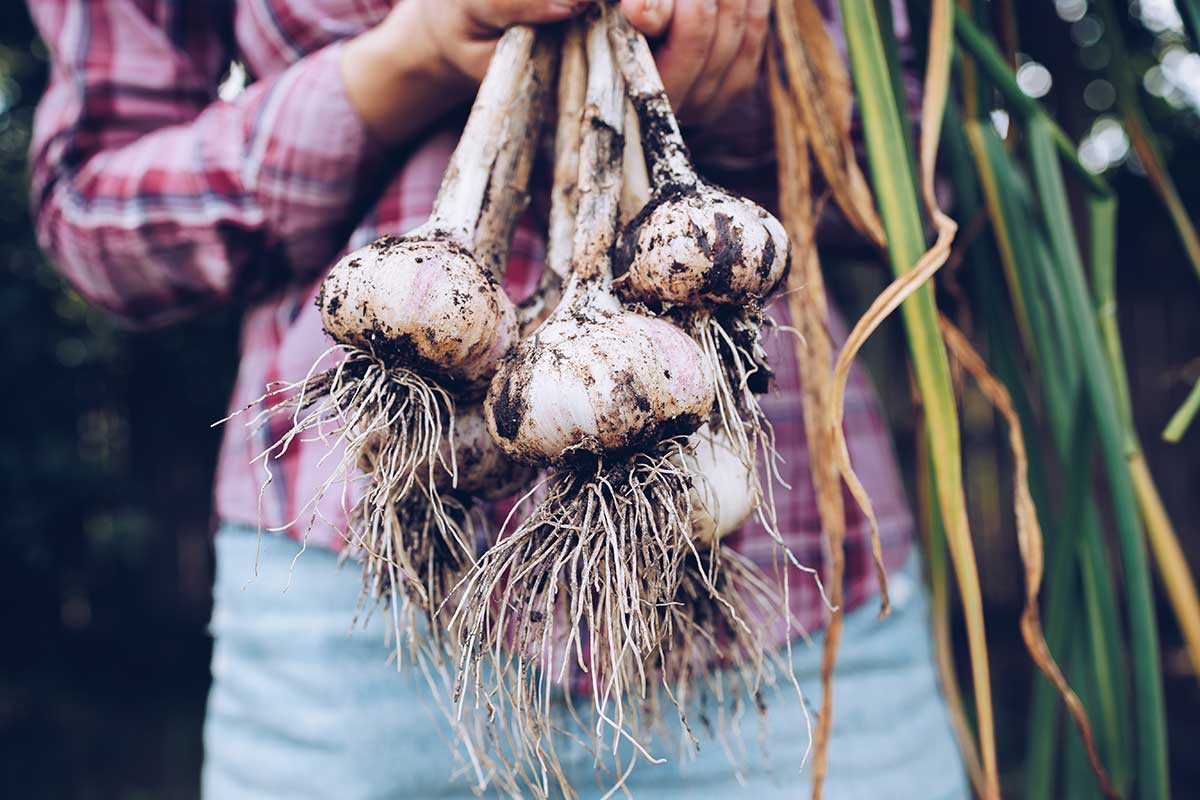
{"points": [[159, 200]]}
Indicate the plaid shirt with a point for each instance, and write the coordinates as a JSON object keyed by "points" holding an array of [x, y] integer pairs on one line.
{"points": [[158, 200]]}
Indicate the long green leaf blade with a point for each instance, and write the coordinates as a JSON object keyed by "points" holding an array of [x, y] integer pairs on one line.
{"points": [[1147, 673], [894, 184]]}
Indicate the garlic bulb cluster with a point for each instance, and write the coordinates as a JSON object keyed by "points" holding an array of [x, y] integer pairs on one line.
{"points": [[639, 418]]}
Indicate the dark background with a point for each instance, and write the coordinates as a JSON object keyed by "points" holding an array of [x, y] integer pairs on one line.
{"points": [[106, 458]]}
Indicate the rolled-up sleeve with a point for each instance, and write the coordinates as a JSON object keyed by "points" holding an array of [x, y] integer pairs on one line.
{"points": [[155, 198]]}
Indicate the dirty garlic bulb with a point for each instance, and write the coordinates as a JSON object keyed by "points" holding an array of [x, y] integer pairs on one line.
{"points": [[724, 493], [594, 377], [423, 301], [484, 470], [693, 244]]}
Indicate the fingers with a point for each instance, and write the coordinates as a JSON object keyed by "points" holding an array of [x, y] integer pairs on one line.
{"points": [[482, 22], [726, 44], [682, 57], [496, 15], [651, 17], [743, 73]]}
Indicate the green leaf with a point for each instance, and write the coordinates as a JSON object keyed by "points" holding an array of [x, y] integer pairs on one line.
{"points": [[899, 206], [1183, 417], [1151, 750]]}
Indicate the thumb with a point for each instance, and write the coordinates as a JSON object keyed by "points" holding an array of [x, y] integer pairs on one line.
{"points": [[651, 17]]}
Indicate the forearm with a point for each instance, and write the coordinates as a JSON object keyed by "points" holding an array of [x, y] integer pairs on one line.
{"points": [[398, 78], [234, 197]]}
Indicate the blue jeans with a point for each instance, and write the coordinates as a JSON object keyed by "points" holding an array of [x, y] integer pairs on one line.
{"points": [[302, 708]]}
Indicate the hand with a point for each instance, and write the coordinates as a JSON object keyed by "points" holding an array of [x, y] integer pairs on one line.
{"points": [[428, 56], [711, 53], [465, 31]]}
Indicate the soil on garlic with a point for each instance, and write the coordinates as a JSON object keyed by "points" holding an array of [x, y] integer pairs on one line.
{"points": [[733, 264]]}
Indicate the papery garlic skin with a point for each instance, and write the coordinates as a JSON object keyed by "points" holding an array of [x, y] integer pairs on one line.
{"points": [[421, 303], [484, 471], [595, 378], [700, 246], [724, 492]]}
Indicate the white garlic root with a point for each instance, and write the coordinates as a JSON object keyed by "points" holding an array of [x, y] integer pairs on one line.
{"points": [[718, 650], [605, 396]]}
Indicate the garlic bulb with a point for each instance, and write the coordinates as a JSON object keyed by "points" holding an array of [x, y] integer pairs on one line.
{"points": [[725, 492], [595, 378], [694, 244], [420, 303], [700, 247], [483, 469]]}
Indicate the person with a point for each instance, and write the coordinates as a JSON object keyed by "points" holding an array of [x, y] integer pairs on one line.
{"points": [[159, 200]]}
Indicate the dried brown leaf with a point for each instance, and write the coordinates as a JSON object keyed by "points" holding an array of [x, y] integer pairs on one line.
{"points": [[819, 86], [1029, 539]]}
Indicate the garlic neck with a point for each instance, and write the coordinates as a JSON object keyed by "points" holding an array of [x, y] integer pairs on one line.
{"points": [[588, 295], [601, 157], [670, 162], [508, 185], [460, 198], [564, 194]]}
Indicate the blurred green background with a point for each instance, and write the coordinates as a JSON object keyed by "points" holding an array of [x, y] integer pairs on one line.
{"points": [[106, 461], [106, 454]]}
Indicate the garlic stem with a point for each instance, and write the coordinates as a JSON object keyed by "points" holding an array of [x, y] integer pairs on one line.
{"points": [[600, 161], [669, 160], [460, 198], [635, 192], [564, 194], [508, 184]]}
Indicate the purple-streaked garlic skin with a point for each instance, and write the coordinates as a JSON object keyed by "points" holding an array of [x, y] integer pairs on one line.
{"points": [[484, 471], [724, 492], [597, 379], [421, 303], [700, 246]]}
